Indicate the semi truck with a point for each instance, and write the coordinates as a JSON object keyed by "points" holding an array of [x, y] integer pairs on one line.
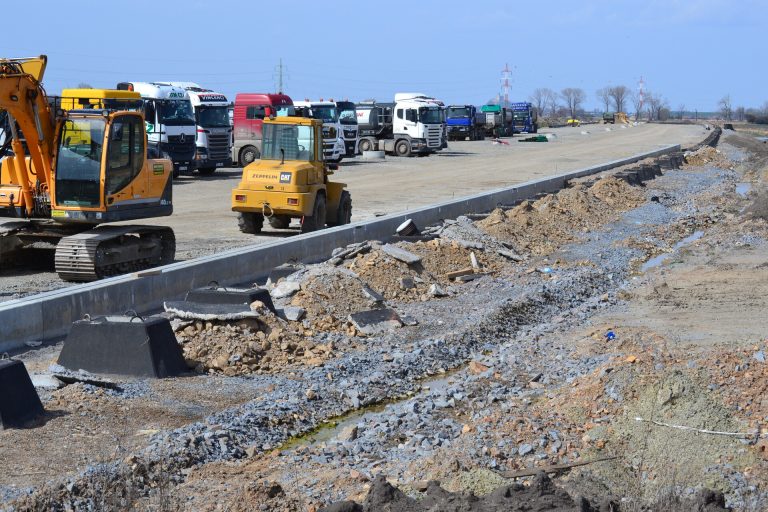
{"points": [[170, 122], [349, 129], [213, 136], [462, 123], [248, 116], [525, 118], [495, 120], [334, 148], [412, 125]]}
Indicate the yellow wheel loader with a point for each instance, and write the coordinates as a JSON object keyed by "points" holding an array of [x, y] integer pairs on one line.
{"points": [[291, 181], [67, 170]]}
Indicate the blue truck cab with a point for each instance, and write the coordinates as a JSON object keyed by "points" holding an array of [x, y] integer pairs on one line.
{"points": [[462, 123], [524, 118]]}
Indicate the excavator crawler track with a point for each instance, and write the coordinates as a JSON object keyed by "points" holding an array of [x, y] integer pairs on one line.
{"points": [[113, 250]]}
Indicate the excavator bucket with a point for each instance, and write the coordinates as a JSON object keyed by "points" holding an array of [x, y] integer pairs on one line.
{"points": [[123, 345], [34, 66], [19, 403]]}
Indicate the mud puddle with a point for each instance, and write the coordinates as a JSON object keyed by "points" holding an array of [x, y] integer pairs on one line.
{"points": [[661, 258]]}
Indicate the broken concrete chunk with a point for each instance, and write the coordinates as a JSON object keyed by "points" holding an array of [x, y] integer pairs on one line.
{"points": [[294, 313], [46, 382], [400, 254], [372, 294], [510, 255], [409, 320], [473, 261], [436, 291], [375, 321], [470, 245], [285, 289], [198, 311], [406, 283]]}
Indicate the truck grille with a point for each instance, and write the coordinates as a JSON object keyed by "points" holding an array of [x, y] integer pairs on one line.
{"points": [[218, 146], [434, 136], [180, 151]]}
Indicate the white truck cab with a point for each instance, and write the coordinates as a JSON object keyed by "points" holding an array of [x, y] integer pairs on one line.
{"points": [[417, 124], [213, 130], [170, 122], [333, 141]]}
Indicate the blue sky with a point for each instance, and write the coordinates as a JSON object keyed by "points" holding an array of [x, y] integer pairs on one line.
{"points": [[692, 52]]}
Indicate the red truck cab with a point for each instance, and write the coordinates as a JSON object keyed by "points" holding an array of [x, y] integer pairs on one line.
{"points": [[250, 111]]}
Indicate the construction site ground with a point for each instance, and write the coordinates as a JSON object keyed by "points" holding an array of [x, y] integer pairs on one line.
{"points": [[204, 223], [613, 325]]}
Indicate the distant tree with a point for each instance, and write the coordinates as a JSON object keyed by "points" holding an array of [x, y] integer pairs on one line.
{"points": [[551, 103], [637, 104], [664, 114], [655, 103], [726, 110], [84, 85], [619, 95], [604, 95], [741, 113], [573, 97], [540, 99], [681, 111]]}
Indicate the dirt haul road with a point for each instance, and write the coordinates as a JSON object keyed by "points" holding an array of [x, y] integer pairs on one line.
{"points": [[204, 223]]}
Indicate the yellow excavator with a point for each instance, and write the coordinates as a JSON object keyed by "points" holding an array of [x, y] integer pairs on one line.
{"points": [[65, 172]]}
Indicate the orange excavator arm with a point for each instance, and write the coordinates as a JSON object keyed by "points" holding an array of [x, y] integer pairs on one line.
{"points": [[22, 96]]}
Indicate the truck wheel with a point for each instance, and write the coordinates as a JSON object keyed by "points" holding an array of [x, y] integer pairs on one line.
{"points": [[317, 220], [206, 171], [250, 223], [403, 148], [280, 221], [344, 213], [365, 145], [248, 155]]}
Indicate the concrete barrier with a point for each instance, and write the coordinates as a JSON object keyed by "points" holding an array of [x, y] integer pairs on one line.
{"points": [[50, 314]]}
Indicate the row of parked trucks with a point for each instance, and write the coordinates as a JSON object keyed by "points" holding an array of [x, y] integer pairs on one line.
{"points": [[467, 122]]}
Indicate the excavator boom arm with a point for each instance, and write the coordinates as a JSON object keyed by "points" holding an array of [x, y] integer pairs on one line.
{"points": [[22, 96]]}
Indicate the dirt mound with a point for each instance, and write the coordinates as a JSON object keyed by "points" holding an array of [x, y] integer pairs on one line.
{"points": [[540, 496], [395, 279], [542, 226], [708, 155], [329, 297], [264, 495], [251, 345]]}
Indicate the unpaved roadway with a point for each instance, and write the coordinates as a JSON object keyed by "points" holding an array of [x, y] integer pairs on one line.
{"points": [[204, 223]]}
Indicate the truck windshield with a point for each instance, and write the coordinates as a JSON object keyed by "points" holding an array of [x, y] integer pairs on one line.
{"points": [[176, 112], [212, 117], [348, 116], [458, 112], [78, 163], [430, 115], [287, 141], [326, 113]]}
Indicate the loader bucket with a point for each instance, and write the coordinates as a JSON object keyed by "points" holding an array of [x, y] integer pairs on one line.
{"points": [[123, 345], [19, 402]]}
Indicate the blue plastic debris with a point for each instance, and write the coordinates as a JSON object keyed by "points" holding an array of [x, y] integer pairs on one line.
{"points": [[610, 336]]}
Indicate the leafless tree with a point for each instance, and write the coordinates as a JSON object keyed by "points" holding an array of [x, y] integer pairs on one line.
{"points": [[545, 101], [638, 103], [741, 113], [619, 95], [681, 111], [655, 103], [604, 95], [573, 97], [725, 107]]}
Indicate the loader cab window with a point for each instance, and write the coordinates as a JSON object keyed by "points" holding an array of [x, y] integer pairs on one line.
{"points": [[78, 162], [295, 142], [125, 153]]}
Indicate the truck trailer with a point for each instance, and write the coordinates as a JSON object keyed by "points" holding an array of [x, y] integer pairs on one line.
{"points": [[495, 120], [412, 125]]}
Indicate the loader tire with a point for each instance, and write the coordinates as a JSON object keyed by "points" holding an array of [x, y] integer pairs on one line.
{"points": [[344, 213], [280, 221], [317, 220], [250, 223]]}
